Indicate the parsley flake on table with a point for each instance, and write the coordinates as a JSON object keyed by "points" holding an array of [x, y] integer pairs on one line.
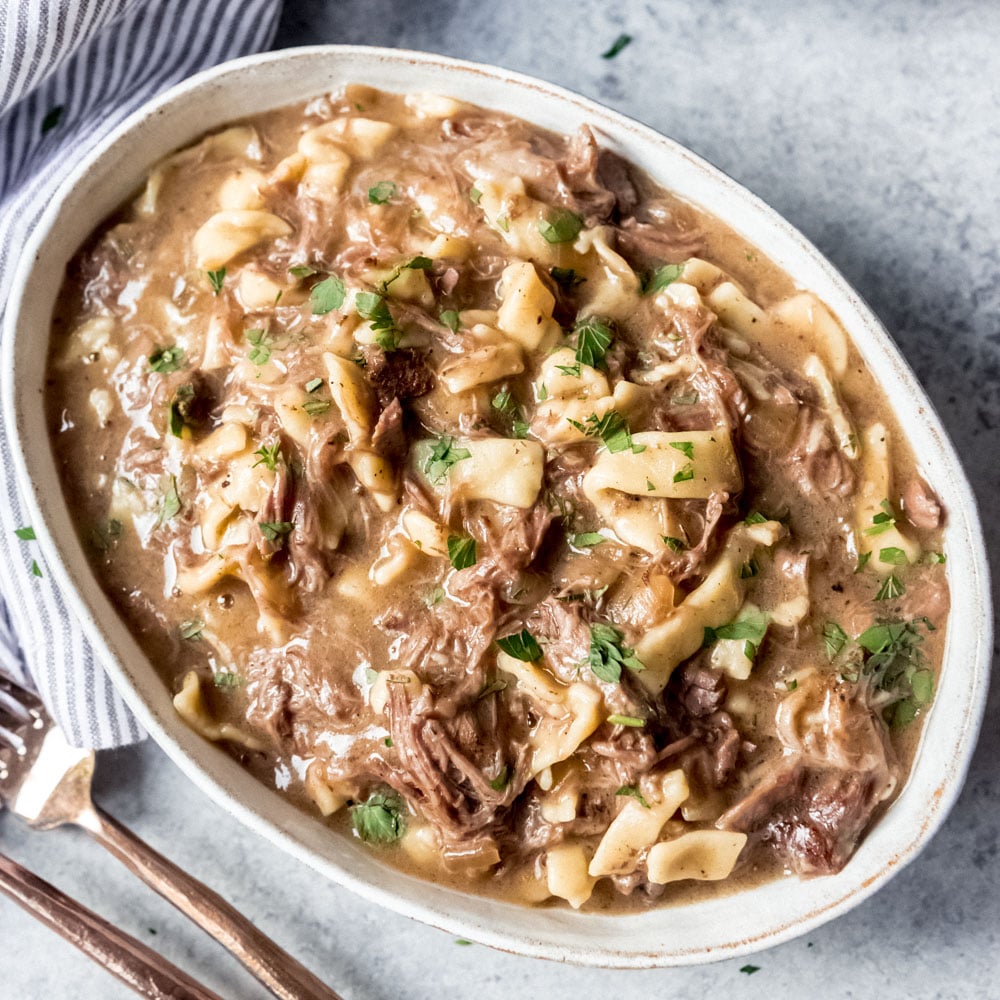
{"points": [[621, 42]]}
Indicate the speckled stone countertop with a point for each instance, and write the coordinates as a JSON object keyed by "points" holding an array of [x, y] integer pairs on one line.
{"points": [[874, 127]]}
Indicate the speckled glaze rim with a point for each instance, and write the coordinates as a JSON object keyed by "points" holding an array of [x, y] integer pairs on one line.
{"points": [[701, 932]]}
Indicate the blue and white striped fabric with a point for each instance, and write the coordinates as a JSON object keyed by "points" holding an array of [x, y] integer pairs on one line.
{"points": [[70, 70]]}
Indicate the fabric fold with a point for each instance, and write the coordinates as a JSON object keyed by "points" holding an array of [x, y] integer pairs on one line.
{"points": [[70, 72]]}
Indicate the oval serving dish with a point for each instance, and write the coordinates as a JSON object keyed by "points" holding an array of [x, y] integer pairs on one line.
{"points": [[723, 927]]}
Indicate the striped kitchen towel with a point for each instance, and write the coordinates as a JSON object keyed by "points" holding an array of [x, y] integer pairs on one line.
{"points": [[70, 71]]}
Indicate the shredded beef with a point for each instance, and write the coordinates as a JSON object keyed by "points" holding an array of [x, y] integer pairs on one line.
{"points": [[921, 506], [397, 374], [389, 436]]}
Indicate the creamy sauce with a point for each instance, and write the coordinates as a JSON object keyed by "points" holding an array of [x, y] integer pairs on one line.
{"points": [[316, 357]]}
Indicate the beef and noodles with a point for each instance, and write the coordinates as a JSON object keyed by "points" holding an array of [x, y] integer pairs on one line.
{"points": [[489, 501]]}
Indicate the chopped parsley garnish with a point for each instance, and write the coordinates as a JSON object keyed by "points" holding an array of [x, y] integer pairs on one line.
{"points": [[503, 222], [52, 118], [685, 474], [521, 645], [381, 819], [749, 569], [302, 271], [261, 345], [372, 307], [106, 533], [935, 558], [750, 628], [650, 485], [560, 226], [442, 457], [269, 455], [179, 408], [626, 720], [893, 556], [791, 685], [616, 46], [26, 534], [166, 359], [835, 638], [216, 279], [898, 668], [566, 278], [461, 551], [571, 370], [380, 193], [475, 195], [499, 783], [505, 404], [661, 278], [686, 448], [327, 295], [492, 687], [890, 589], [192, 629], [450, 319], [316, 407], [276, 531], [685, 399], [862, 561], [434, 597], [632, 791], [607, 654], [503, 401], [593, 338], [414, 264], [755, 517], [588, 539], [611, 429], [170, 504], [226, 679], [388, 741], [882, 521], [750, 969], [36, 570], [674, 544], [313, 384]]}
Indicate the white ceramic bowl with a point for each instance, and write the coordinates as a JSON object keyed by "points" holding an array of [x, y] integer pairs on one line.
{"points": [[721, 928]]}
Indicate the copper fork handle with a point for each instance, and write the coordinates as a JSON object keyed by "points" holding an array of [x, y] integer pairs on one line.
{"points": [[275, 968], [149, 974]]}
